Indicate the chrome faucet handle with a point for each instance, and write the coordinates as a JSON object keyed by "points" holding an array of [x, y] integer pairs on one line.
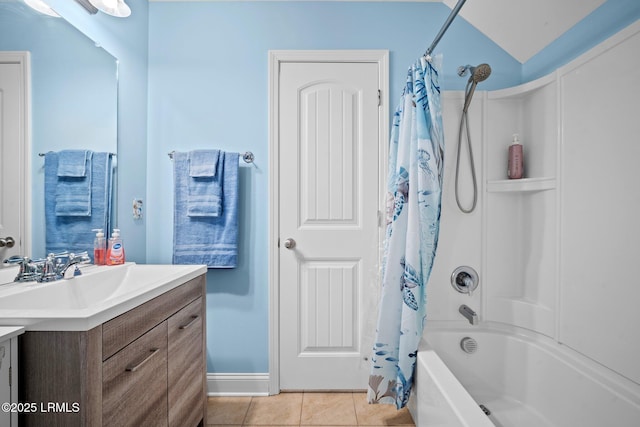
{"points": [[59, 255], [16, 259], [83, 256], [465, 280], [28, 270], [49, 273], [79, 258]]}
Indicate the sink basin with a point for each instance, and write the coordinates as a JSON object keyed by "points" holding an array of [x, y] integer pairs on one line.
{"points": [[86, 301]]}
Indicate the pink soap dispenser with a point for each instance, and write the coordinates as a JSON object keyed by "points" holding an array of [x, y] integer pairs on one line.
{"points": [[515, 168], [115, 250]]}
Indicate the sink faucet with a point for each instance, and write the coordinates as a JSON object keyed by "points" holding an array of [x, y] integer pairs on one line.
{"points": [[467, 312], [48, 269], [72, 259]]}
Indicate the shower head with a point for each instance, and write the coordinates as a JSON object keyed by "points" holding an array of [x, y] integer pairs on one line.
{"points": [[480, 73]]}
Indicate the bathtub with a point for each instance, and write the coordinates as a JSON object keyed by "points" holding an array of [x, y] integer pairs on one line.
{"points": [[522, 379]]}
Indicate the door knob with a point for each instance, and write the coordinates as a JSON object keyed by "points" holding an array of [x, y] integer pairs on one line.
{"points": [[289, 243], [7, 241]]}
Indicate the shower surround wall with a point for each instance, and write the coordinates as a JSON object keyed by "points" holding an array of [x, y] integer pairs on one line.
{"points": [[555, 248]]}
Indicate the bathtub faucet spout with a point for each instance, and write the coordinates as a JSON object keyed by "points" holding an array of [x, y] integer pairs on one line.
{"points": [[470, 315]]}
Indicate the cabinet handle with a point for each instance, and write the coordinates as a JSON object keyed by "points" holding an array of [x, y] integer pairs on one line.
{"points": [[146, 359], [193, 319]]}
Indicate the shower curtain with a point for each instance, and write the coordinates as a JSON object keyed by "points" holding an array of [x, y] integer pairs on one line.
{"points": [[414, 187]]}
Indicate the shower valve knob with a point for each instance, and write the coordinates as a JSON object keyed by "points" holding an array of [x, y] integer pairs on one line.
{"points": [[464, 280]]}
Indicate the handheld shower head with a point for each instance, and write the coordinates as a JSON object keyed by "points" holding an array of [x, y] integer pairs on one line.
{"points": [[480, 73]]}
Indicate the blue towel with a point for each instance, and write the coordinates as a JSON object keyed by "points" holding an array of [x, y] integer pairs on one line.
{"points": [[73, 163], [208, 240], [203, 163], [205, 185], [73, 191], [74, 233]]}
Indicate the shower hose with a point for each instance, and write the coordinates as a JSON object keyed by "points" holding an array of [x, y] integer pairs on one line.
{"points": [[464, 123]]}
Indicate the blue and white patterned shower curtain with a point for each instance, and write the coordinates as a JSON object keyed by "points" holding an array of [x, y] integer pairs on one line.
{"points": [[413, 217]]}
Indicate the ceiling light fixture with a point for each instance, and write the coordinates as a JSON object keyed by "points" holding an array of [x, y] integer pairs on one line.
{"points": [[113, 7], [41, 7]]}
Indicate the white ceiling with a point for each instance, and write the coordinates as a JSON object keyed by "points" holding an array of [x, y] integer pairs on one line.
{"points": [[521, 27], [524, 27]]}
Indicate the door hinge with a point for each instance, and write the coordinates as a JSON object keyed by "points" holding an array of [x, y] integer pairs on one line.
{"points": [[379, 97]]}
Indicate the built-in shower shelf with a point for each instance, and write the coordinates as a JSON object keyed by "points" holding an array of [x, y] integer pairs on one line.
{"points": [[521, 185]]}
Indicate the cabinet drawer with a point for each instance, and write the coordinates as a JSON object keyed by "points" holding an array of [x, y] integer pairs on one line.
{"points": [[186, 366], [122, 330], [135, 382]]}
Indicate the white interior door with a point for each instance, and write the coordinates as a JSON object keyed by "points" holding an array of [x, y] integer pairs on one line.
{"points": [[14, 182], [330, 148]]}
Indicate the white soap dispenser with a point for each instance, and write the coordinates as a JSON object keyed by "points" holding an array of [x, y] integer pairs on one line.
{"points": [[99, 248]]}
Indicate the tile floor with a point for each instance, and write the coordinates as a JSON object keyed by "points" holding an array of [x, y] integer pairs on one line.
{"points": [[304, 409]]}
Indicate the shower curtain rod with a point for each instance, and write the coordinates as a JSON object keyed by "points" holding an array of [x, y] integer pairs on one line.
{"points": [[444, 28]]}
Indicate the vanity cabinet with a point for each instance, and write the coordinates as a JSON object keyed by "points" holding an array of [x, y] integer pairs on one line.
{"points": [[146, 367]]}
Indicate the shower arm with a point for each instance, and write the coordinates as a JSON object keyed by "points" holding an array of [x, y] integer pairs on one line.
{"points": [[452, 15]]}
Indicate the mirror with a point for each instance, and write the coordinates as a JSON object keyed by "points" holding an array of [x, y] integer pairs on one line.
{"points": [[73, 95]]}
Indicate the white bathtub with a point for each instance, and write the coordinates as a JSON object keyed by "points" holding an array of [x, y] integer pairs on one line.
{"points": [[524, 381]]}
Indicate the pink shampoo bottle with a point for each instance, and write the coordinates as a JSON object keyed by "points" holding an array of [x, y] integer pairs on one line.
{"points": [[515, 168]]}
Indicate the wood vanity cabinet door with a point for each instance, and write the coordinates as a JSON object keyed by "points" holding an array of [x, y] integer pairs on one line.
{"points": [[186, 366], [134, 387]]}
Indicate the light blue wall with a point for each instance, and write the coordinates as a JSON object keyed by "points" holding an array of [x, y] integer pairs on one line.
{"points": [[208, 87], [601, 24]]}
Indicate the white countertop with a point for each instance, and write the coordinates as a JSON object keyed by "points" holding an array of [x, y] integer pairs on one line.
{"points": [[8, 332], [84, 302]]}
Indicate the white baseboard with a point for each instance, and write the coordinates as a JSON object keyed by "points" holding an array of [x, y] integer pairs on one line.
{"points": [[238, 384]]}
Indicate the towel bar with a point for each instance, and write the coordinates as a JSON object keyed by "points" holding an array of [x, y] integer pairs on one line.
{"points": [[248, 156], [44, 154]]}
